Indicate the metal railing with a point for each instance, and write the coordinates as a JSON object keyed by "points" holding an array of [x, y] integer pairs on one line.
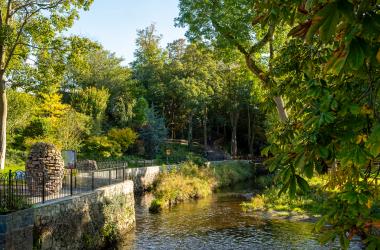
{"points": [[18, 189]]}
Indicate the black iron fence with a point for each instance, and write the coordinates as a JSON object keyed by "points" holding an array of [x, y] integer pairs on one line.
{"points": [[19, 189]]}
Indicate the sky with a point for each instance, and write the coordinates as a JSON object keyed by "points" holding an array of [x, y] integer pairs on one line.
{"points": [[114, 23]]}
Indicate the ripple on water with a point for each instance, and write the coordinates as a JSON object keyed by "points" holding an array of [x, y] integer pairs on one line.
{"points": [[217, 223]]}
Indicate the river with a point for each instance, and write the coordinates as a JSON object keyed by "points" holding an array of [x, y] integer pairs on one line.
{"points": [[216, 222]]}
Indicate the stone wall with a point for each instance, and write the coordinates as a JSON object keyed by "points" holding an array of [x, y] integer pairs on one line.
{"points": [[143, 178], [16, 230], [85, 221]]}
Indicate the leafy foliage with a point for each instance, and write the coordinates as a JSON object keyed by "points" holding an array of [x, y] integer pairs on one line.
{"points": [[153, 133], [97, 147], [125, 137]]}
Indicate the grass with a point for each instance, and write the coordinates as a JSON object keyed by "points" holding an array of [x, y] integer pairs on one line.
{"points": [[188, 181], [192, 181], [228, 173], [305, 203]]}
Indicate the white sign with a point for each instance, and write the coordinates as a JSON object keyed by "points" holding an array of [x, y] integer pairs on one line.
{"points": [[69, 158]]}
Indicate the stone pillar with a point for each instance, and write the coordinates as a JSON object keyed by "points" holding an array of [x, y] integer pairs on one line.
{"points": [[45, 160]]}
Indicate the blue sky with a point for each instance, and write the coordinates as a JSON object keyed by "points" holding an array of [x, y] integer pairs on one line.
{"points": [[113, 23]]}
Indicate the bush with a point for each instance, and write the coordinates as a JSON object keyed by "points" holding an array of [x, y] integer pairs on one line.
{"points": [[125, 137], [38, 127], [101, 147], [188, 182], [231, 172]]}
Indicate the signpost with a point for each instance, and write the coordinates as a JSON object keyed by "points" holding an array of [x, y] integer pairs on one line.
{"points": [[69, 158]]}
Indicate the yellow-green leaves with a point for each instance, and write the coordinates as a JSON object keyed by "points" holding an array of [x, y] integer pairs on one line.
{"points": [[373, 142]]}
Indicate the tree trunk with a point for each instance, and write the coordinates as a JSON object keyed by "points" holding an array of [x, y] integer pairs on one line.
{"points": [[205, 128], [281, 108], [3, 123], [251, 133], [283, 115], [234, 121], [190, 132]]}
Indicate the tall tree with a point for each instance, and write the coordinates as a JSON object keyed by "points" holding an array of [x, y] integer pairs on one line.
{"points": [[26, 26], [148, 64], [238, 24], [234, 93], [331, 67]]}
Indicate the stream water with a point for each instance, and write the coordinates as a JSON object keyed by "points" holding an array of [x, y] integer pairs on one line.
{"points": [[217, 222]]}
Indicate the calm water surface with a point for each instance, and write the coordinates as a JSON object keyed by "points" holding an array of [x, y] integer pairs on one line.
{"points": [[216, 222]]}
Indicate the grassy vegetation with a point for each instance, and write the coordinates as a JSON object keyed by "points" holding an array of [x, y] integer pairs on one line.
{"points": [[179, 152], [305, 203], [228, 173], [192, 181]]}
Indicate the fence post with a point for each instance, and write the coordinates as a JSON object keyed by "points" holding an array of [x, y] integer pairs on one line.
{"points": [[71, 181], [92, 180], [43, 187], [10, 199], [109, 177], [123, 173]]}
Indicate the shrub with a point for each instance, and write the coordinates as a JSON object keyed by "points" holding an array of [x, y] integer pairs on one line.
{"points": [[101, 147], [188, 182], [125, 137], [230, 172], [153, 134], [257, 203]]}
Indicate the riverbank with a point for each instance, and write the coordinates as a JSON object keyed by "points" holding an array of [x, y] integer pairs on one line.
{"points": [[190, 181]]}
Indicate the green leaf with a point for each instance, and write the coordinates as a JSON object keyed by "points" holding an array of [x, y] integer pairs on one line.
{"points": [[300, 161], [354, 109], [373, 142], [328, 27], [321, 222], [356, 54], [324, 152], [309, 170], [302, 183], [327, 237], [292, 187], [283, 189], [325, 21]]}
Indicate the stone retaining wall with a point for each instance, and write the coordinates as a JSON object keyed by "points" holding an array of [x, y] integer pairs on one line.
{"points": [[143, 178], [85, 221]]}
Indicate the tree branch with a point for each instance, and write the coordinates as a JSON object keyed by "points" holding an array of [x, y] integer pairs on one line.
{"points": [[268, 36]]}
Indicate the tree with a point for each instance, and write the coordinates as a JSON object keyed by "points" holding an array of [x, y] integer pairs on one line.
{"points": [[125, 137], [22, 107], [92, 102], [153, 133], [237, 24], [331, 69], [21, 29], [234, 93], [148, 64]]}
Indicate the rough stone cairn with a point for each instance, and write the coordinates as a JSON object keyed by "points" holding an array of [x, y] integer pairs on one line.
{"points": [[45, 160], [87, 165]]}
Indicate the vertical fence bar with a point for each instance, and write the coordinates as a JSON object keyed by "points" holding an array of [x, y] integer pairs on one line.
{"points": [[71, 181], [43, 187], [9, 188], [109, 176], [123, 173], [92, 180]]}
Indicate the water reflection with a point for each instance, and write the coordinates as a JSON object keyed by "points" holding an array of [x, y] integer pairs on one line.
{"points": [[216, 223]]}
